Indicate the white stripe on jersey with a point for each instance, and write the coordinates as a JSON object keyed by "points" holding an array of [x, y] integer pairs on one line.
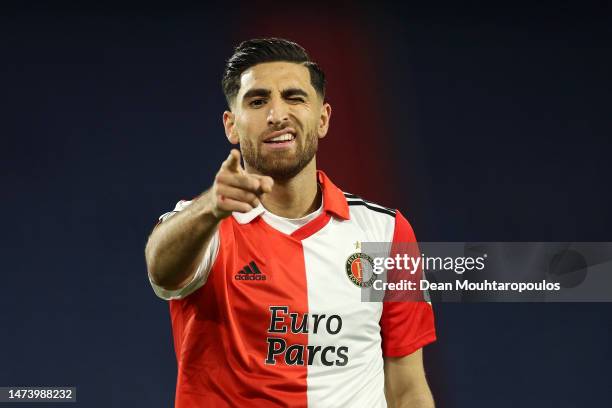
{"points": [[361, 382]]}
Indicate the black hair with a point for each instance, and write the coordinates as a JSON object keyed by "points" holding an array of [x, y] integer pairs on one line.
{"points": [[256, 51]]}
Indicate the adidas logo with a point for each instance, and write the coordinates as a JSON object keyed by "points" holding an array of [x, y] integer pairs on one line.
{"points": [[250, 272]]}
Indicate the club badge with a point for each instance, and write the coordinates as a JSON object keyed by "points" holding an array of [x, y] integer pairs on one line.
{"points": [[359, 268]]}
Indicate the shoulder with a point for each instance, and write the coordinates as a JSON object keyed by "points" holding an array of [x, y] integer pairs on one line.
{"points": [[180, 206], [376, 219], [357, 203], [375, 216]]}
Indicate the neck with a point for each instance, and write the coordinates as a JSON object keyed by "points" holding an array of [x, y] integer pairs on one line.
{"points": [[296, 197]]}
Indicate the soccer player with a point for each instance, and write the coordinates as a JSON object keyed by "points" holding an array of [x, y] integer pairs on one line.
{"points": [[262, 272]]}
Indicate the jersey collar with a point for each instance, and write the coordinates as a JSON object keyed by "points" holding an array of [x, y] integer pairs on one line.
{"points": [[245, 218], [334, 202]]}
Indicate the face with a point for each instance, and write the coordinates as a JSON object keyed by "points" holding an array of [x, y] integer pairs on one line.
{"points": [[277, 118]]}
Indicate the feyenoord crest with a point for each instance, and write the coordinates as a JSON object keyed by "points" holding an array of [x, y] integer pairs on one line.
{"points": [[356, 268]]}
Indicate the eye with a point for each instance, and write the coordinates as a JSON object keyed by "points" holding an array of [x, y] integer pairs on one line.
{"points": [[257, 102], [296, 99]]}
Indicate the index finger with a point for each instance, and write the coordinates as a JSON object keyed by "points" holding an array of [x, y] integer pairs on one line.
{"points": [[232, 163]]}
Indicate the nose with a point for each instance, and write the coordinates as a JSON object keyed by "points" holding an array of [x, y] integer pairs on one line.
{"points": [[278, 113]]}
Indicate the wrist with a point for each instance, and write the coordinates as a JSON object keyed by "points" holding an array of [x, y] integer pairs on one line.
{"points": [[206, 210]]}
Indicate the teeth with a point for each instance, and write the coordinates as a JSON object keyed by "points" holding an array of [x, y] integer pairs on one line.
{"points": [[282, 138]]}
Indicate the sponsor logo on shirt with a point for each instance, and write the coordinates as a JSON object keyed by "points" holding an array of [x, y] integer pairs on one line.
{"points": [[250, 273], [282, 321]]}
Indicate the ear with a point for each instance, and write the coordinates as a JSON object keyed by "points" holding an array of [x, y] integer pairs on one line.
{"points": [[324, 120], [230, 127]]}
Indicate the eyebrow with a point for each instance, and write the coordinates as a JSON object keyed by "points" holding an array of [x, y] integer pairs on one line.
{"points": [[256, 92], [285, 93]]}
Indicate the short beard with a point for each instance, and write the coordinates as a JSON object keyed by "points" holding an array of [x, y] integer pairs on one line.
{"points": [[280, 169]]}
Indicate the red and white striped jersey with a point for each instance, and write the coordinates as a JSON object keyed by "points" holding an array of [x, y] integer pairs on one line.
{"points": [[272, 318]]}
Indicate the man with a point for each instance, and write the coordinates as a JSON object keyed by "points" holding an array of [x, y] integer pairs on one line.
{"points": [[265, 311]]}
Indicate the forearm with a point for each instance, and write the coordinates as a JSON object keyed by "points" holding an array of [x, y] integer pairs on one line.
{"points": [[412, 399], [176, 246], [405, 382]]}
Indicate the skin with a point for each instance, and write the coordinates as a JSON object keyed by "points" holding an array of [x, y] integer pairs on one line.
{"points": [[287, 100], [273, 96], [405, 382]]}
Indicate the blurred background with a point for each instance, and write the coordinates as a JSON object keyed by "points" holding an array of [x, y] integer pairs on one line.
{"points": [[478, 123]]}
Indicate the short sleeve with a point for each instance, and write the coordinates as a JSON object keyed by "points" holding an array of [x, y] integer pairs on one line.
{"points": [[201, 274], [180, 206], [406, 325]]}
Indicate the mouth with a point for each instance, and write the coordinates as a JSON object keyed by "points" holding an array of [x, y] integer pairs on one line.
{"points": [[281, 137]]}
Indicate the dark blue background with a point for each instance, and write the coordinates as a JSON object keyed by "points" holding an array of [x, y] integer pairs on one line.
{"points": [[494, 124]]}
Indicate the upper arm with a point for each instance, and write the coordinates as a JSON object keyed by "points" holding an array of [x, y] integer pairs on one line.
{"points": [[407, 322]]}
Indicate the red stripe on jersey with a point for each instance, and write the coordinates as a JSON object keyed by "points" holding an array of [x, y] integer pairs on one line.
{"points": [[221, 330], [312, 227]]}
